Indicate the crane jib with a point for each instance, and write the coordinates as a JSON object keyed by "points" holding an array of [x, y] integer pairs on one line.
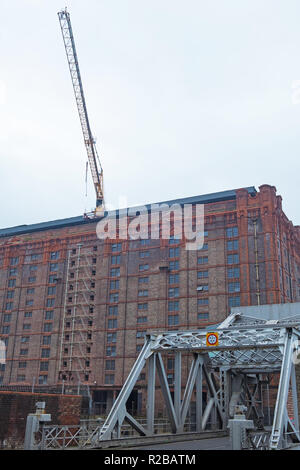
{"points": [[89, 141]]}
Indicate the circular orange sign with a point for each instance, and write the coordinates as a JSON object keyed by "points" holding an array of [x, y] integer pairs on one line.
{"points": [[212, 339]]}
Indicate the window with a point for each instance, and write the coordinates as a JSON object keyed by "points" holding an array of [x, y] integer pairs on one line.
{"points": [[143, 306], [232, 245], [112, 323], [202, 259], [50, 302], [114, 297], [142, 376], [10, 294], [14, 261], [174, 265], [23, 352], [30, 291], [142, 320], [9, 306], [204, 246], [233, 259], [29, 302], [44, 366], [173, 305], [11, 282], [170, 363], [113, 310], [170, 379], [116, 259], [174, 278], [143, 293], [32, 279], [24, 339], [143, 267], [5, 329], [116, 247], [13, 271], [27, 314], [46, 340], [43, 379], [33, 267], [49, 315], [174, 252], [173, 240], [203, 288], [114, 272], [47, 327], [26, 326], [203, 316], [114, 284], [234, 301], [52, 290], [173, 320], [109, 379], [53, 266], [174, 292], [7, 317], [233, 272], [202, 274], [232, 232], [140, 334], [143, 280], [234, 287], [111, 351], [54, 255], [22, 364], [45, 352], [110, 365], [145, 242], [34, 257], [144, 254], [111, 337], [202, 301]]}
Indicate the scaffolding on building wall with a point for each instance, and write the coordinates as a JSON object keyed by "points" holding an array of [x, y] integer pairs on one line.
{"points": [[78, 314]]}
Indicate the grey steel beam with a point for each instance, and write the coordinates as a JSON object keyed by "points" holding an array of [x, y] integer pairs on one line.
{"points": [[151, 393], [177, 384], [166, 393], [280, 415], [188, 390], [199, 397]]}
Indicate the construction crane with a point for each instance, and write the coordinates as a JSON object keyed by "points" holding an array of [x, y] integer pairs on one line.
{"points": [[89, 141]]}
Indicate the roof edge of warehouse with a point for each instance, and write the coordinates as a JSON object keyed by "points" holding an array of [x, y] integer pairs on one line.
{"points": [[80, 220]]}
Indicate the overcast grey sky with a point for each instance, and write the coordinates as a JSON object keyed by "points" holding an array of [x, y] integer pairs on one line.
{"points": [[185, 98]]}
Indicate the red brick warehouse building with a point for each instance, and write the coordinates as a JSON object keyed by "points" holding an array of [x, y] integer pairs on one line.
{"points": [[75, 309]]}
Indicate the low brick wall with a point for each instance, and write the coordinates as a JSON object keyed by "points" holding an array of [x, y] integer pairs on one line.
{"points": [[15, 406]]}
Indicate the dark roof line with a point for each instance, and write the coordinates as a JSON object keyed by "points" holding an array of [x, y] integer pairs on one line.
{"points": [[81, 220]]}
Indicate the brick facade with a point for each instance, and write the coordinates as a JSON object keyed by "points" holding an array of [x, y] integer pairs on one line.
{"points": [[251, 256], [15, 407]]}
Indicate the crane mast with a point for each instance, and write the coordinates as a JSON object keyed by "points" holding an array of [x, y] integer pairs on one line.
{"points": [[89, 141]]}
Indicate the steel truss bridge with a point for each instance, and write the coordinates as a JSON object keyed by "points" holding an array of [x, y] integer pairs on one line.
{"points": [[249, 350]]}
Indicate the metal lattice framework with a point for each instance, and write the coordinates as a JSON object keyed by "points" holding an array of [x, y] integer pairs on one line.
{"points": [[232, 372], [89, 141]]}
